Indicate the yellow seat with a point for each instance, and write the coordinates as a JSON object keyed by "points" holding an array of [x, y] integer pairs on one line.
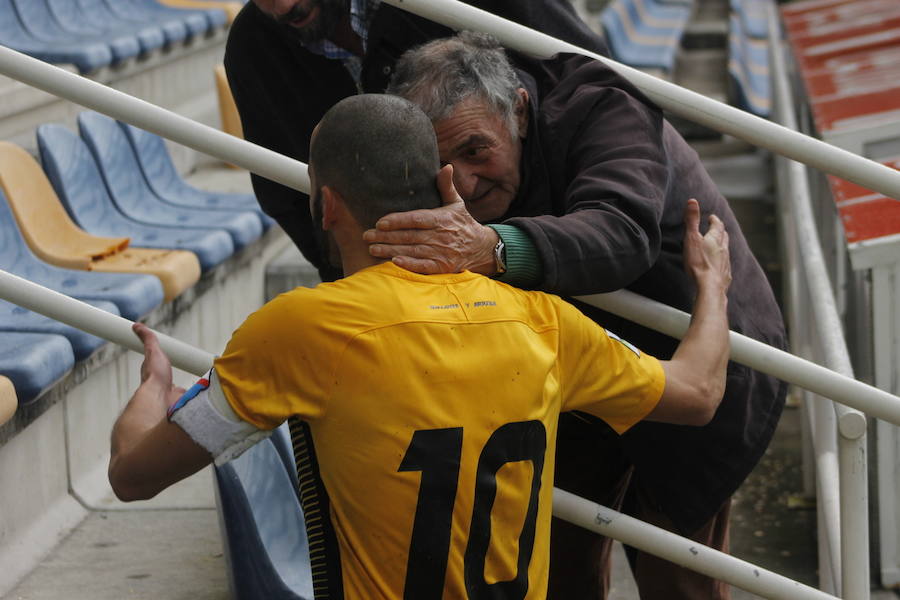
{"points": [[231, 120], [231, 8], [56, 239], [8, 400]]}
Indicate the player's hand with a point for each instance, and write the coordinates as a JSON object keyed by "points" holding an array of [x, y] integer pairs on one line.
{"points": [[156, 370], [442, 240], [706, 257]]}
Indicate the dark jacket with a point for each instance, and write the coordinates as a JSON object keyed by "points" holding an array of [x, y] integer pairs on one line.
{"points": [[282, 90], [606, 180]]}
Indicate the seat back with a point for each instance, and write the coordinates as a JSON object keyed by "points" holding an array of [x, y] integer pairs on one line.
{"points": [[263, 531], [8, 400], [33, 362], [44, 223]]}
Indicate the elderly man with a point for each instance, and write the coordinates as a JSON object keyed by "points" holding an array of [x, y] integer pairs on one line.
{"points": [[289, 61], [427, 456], [581, 183]]}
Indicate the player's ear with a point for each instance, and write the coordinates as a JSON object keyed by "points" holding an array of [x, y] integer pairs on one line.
{"points": [[522, 112], [332, 206]]}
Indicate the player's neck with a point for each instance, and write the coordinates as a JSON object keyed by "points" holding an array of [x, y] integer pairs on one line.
{"points": [[354, 251]]}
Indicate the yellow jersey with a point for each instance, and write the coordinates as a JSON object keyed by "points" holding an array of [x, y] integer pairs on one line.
{"points": [[429, 409]]}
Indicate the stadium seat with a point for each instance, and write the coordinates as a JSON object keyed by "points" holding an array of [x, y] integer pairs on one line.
{"points": [[37, 17], [162, 177], [636, 44], [661, 16], [8, 400], [197, 23], [174, 30], [87, 57], [748, 69], [754, 16], [74, 175], [150, 35], [262, 525], [133, 295], [228, 113], [128, 188], [93, 19], [33, 362], [16, 318], [231, 9], [53, 236]]}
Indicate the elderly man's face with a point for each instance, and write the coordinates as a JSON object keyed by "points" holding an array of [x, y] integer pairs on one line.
{"points": [[312, 20], [485, 155]]}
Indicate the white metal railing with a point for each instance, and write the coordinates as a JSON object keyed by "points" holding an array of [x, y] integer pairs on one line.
{"points": [[835, 385], [838, 432]]}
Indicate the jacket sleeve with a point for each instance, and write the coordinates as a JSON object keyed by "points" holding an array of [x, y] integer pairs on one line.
{"points": [[610, 174]]}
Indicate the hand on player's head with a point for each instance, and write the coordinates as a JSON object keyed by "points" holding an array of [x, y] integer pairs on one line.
{"points": [[706, 256]]}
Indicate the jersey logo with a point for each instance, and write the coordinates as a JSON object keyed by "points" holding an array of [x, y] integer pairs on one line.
{"points": [[628, 345], [187, 396]]}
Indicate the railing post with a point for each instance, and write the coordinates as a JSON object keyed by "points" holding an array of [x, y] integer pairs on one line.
{"points": [[854, 504]]}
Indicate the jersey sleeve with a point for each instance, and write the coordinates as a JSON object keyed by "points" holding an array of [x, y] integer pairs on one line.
{"points": [[274, 367], [604, 375]]}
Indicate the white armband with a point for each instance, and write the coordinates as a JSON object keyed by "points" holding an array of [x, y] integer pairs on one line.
{"points": [[204, 414]]}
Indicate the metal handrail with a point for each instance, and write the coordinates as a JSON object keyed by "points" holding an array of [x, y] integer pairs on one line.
{"points": [[851, 488]]}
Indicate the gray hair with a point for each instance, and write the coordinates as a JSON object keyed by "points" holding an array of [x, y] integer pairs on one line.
{"points": [[439, 75]]}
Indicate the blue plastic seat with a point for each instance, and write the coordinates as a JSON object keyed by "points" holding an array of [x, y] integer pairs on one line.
{"points": [[17, 319], [167, 184], [97, 13], [653, 23], [86, 57], [72, 18], [263, 530], [134, 295], [195, 22], [748, 69], [134, 198], [634, 44], [37, 17], [754, 17], [74, 175], [174, 30], [34, 362]]}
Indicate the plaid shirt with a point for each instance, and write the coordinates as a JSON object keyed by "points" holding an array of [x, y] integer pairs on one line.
{"points": [[361, 13]]}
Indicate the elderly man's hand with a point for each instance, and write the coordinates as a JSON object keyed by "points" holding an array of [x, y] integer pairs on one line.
{"points": [[706, 257], [156, 370], [442, 240]]}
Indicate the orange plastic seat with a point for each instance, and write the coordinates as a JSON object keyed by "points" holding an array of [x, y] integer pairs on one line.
{"points": [[8, 400], [231, 8], [55, 238], [231, 120]]}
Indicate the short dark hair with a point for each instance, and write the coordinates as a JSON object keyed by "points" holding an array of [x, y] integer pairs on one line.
{"points": [[379, 152]]}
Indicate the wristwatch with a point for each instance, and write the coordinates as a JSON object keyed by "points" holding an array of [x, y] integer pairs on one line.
{"points": [[500, 256]]}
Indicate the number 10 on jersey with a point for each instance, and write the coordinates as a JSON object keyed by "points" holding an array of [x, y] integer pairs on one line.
{"points": [[436, 453]]}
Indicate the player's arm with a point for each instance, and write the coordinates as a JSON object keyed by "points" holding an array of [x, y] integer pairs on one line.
{"points": [[148, 452], [695, 376]]}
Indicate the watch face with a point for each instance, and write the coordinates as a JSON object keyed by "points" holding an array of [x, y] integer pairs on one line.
{"points": [[500, 256]]}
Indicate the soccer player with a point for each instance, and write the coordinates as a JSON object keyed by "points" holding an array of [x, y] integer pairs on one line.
{"points": [[429, 402]]}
